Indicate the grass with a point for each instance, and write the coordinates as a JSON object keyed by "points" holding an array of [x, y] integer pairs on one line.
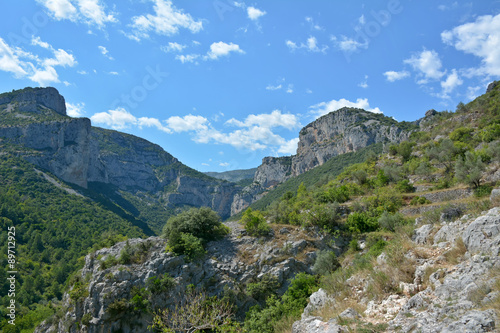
{"points": [[454, 255]]}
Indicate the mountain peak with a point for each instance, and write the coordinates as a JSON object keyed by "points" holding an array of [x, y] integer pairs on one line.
{"points": [[28, 99]]}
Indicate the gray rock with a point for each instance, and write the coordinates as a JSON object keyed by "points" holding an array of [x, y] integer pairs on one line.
{"points": [[492, 86], [315, 325], [317, 300], [472, 322], [495, 194], [483, 235], [421, 235], [349, 313]]}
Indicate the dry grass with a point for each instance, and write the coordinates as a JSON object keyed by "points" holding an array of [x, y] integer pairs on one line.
{"points": [[339, 306], [284, 325], [454, 255]]}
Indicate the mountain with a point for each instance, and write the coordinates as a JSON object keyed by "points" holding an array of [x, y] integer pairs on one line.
{"points": [[34, 124], [346, 130], [234, 176]]}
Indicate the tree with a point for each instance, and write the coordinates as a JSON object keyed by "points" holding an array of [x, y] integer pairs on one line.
{"points": [[196, 312], [202, 223], [444, 153], [326, 262], [255, 223], [469, 170]]}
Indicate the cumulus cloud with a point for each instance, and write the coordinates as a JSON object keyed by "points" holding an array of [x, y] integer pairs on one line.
{"points": [[311, 45], [428, 65], [27, 65], [221, 49], [393, 76], [91, 12], [268, 120], [166, 21], [105, 52], [187, 57], [349, 45], [75, 110], [173, 47], [254, 14], [323, 108], [120, 119], [289, 147], [364, 84], [480, 38], [276, 87], [452, 81], [187, 123]]}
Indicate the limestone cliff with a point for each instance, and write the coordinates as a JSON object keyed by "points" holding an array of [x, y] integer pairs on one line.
{"points": [[34, 123], [339, 132]]}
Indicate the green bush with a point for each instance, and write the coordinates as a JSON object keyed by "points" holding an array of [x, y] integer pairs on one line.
{"points": [[322, 215], [469, 170], [255, 223], [419, 201], [462, 134], [189, 231], [359, 222], [326, 262], [161, 285], [391, 221], [404, 186], [202, 223], [183, 243], [264, 288]]}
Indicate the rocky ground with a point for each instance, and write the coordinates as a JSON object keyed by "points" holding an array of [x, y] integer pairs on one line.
{"points": [[231, 263], [455, 286]]}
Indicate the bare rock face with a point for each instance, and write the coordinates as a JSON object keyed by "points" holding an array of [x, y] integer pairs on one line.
{"points": [[61, 147], [273, 171], [29, 99], [343, 131]]}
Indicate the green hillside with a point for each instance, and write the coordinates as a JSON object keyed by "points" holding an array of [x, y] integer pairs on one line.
{"points": [[54, 231]]}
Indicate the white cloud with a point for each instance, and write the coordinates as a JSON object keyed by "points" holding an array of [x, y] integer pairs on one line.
{"points": [[117, 119], [480, 38], [254, 14], [205, 164], [187, 123], [39, 42], [289, 90], [268, 120], [393, 76], [120, 119], [472, 92], [224, 164], [105, 52], [60, 9], [91, 12], [113, 73], [349, 45], [82, 72], [289, 147], [362, 19], [451, 82], [75, 110], [428, 64], [271, 87], [221, 49], [323, 108], [25, 64], [187, 58], [173, 47], [364, 84], [310, 45], [166, 21]]}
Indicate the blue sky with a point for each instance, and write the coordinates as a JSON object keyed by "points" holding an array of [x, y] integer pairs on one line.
{"points": [[221, 84]]}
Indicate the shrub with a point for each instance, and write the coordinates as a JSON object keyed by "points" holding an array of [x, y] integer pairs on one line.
{"points": [[360, 223], [405, 149], [264, 288], [469, 170], [360, 176], [202, 223], [184, 243], [404, 186], [390, 221], [326, 262], [161, 285], [462, 134], [322, 215], [423, 169], [255, 223], [419, 201], [189, 231]]}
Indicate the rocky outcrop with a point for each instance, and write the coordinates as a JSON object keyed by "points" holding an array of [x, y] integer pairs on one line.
{"points": [[273, 171], [230, 264], [30, 100], [80, 154], [62, 147], [343, 131], [443, 297]]}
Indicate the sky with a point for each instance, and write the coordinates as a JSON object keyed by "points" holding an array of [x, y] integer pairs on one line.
{"points": [[220, 84]]}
